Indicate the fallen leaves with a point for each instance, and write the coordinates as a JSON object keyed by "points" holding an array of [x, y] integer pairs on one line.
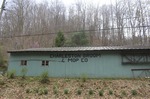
{"points": [[17, 88]]}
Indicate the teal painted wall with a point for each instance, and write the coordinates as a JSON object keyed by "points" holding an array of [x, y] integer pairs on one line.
{"points": [[107, 65]]}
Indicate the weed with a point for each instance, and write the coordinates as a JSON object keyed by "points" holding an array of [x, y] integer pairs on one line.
{"points": [[101, 93], [81, 85], [83, 78], [55, 91], [40, 92], [91, 92], [55, 86], [110, 92], [36, 90], [123, 93], [66, 91], [79, 92], [134, 92], [24, 72], [2, 82], [77, 80], [67, 80], [44, 77], [45, 91], [28, 90], [11, 74], [21, 83]]}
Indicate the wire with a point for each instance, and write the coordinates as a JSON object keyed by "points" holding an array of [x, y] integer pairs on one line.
{"points": [[71, 32]]}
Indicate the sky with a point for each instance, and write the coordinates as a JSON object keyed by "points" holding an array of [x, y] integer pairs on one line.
{"points": [[1, 3], [70, 2]]}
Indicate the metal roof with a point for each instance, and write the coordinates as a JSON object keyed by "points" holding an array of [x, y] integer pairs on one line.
{"points": [[62, 49]]}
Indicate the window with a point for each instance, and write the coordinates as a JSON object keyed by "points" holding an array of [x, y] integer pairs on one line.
{"points": [[135, 59], [45, 63], [23, 62]]}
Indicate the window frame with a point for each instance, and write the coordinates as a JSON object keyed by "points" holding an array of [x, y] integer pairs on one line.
{"points": [[45, 63], [135, 58], [23, 63]]}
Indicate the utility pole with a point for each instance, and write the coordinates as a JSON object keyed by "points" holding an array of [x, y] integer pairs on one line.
{"points": [[2, 8]]}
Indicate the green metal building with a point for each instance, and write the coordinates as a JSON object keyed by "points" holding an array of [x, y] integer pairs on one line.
{"points": [[93, 62]]}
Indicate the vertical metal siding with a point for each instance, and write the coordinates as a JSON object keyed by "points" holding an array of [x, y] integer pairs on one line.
{"points": [[108, 65]]}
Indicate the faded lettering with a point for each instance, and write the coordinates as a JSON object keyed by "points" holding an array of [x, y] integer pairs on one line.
{"points": [[75, 57]]}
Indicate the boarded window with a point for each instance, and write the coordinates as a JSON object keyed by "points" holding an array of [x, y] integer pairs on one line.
{"points": [[135, 59], [45, 63], [23, 63]]}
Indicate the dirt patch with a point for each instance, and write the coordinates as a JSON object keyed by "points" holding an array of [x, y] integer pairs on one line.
{"points": [[59, 88]]}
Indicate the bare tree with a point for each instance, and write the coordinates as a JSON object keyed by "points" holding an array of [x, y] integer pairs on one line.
{"points": [[35, 25]]}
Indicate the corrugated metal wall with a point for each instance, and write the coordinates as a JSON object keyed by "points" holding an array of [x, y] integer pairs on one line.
{"points": [[104, 65]]}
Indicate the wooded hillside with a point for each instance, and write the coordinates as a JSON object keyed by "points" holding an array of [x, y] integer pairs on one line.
{"points": [[26, 24]]}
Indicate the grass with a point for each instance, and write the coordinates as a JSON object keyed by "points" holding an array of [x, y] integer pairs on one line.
{"points": [[2, 82], [67, 80], [101, 93], [81, 85], [24, 72], [110, 92], [32, 79], [123, 93], [55, 91], [44, 77], [55, 88], [60, 90], [79, 92], [3, 68], [45, 91], [84, 77], [40, 91], [66, 91], [134, 92], [28, 90], [36, 90], [91, 92], [11, 74]]}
